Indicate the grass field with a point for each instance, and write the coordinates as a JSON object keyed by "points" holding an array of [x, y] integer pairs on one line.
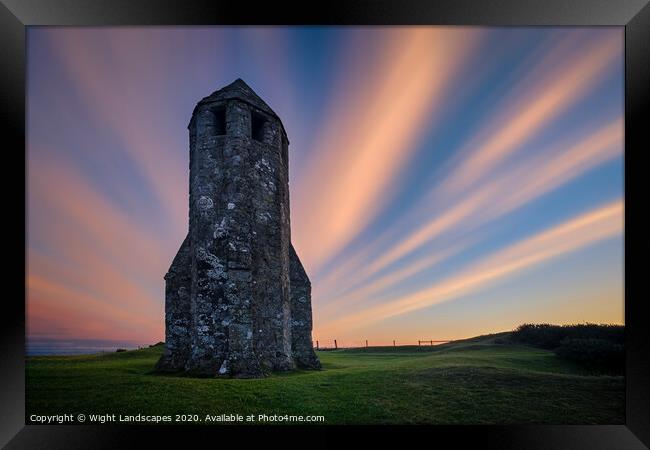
{"points": [[466, 382]]}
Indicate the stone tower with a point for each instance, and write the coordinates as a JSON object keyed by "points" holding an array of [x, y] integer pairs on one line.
{"points": [[237, 299]]}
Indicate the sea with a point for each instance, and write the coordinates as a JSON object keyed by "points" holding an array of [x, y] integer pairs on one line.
{"points": [[47, 347]]}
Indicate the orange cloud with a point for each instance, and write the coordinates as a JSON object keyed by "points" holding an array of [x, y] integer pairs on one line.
{"points": [[366, 291], [550, 89], [104, 87], [97, 260], [372, 132], [66, 201], [547, 99], [587, 229], [444, 222], [514, 188], [543, 174], [60, 311]]}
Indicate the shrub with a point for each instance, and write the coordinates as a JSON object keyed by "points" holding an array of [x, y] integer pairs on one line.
{"points": [[551, 336], [593, 353], [593, 346], [120, 350], [540, 335]]}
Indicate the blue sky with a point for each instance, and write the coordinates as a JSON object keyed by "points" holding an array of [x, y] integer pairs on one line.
{"points": [[445, 181]]}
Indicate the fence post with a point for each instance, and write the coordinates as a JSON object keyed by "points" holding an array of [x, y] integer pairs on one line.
{"points": [[317, 348], [335, 344], [366, 343], [393, 342], [418, 343]]}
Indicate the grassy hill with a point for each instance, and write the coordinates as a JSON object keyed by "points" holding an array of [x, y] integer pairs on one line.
{"points": [[475, 381]]}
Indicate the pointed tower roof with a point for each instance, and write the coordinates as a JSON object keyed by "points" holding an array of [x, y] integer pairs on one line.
{"points": [[239, 90]]}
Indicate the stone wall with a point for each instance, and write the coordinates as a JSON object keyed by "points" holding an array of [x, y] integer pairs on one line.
{"points": [[178, 320], [301, 319], [229, 302]]}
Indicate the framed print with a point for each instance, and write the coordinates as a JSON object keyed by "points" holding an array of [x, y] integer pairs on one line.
{"points": [[382, 219]]}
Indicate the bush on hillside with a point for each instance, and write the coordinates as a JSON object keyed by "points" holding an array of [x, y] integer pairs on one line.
{"points": [[593, 353], [551, 336], [591, 345]]}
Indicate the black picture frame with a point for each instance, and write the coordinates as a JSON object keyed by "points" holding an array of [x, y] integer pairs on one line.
{"points": [[16, 15]]}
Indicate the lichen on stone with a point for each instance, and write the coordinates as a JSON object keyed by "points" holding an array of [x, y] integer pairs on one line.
{"points": [[236, 270]]}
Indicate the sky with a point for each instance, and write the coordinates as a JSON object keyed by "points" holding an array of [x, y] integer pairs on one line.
{"points": [[445, 182]]}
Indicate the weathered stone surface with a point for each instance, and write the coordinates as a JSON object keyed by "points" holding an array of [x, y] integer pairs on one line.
{"points": [[301, 322], [177, 310], [238, 301]]}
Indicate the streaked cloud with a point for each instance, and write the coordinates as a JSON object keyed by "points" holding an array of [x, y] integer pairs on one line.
{"points": [[380, 114], [94, 259], [132, 99], [408, 191], [549, 89], [365, 291], [545, 100], [581, 231], [60, 311], [510, 190]]}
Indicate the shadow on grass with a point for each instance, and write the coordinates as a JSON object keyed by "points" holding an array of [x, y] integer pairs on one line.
{"points": [[273, 374]]}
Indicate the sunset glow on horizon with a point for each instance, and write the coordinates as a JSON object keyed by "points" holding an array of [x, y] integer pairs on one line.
{"points": [[445, 182]]}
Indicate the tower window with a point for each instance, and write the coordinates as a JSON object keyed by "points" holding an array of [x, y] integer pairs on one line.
{"points": [[219, 121], [257, 126]]}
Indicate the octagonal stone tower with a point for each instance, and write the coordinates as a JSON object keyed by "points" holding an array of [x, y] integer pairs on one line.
{"points": [[237, 299]]}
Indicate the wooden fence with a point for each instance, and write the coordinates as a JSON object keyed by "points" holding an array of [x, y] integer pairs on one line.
{"points": [[336, 346]]}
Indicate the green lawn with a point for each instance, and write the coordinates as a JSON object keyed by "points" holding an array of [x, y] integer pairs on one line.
{"points": [[469, 382]]}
